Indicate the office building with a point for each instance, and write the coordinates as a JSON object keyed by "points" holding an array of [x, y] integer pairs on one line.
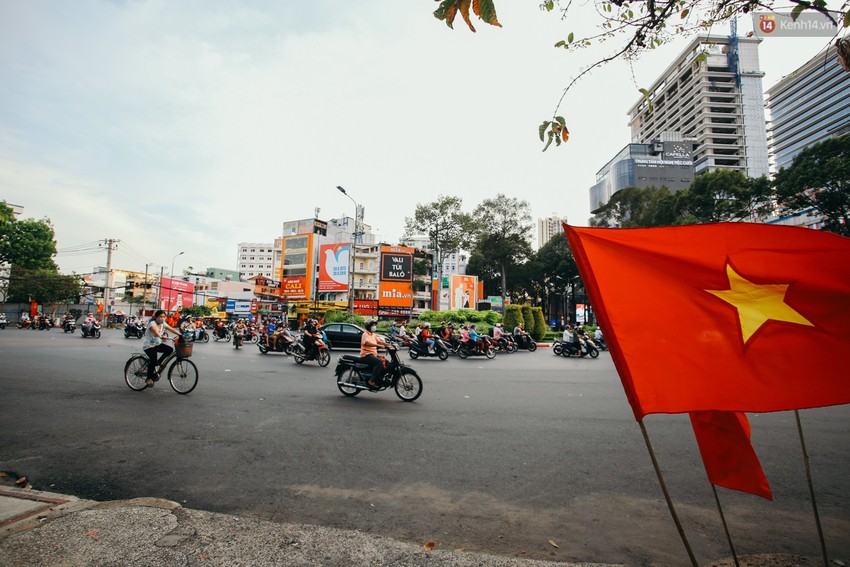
{"points": [[255, 259], [549, 227], [712, 97], [807, 106]]}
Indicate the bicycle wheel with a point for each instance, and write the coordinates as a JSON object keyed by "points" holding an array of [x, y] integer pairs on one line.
{"points": [[136, 372], [183, 375]]}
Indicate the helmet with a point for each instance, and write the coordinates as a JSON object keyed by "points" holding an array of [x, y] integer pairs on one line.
{"points": [[427, 325], [498, 324], [369, 323]]}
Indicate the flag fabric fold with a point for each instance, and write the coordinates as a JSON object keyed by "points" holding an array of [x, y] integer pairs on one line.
{"points": [[727, 453], [728, 316]]}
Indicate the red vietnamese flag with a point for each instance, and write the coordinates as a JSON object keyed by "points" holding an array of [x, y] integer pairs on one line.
{"points": [[727, 454], [729, 316]]}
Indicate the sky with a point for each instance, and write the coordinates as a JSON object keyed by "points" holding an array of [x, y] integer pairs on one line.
{"points": [[192, 126]]}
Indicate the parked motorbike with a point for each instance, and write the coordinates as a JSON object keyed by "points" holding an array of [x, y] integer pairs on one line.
{"points": [[136, 330], [572, 348], [404, 380], [69, 326], [320, 352], [471, 348], [281, 341], [90, 329], [525, 341], [417, 349]]}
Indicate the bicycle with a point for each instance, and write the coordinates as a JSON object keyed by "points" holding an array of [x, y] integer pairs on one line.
{"points": [[182, 374]]}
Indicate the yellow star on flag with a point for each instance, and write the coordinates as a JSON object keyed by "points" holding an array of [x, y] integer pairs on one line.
{"points": [[757, 303]]}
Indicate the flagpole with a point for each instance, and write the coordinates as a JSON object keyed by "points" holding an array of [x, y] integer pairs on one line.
{"points": [[811, 488], [725, 527], [667, 494]]}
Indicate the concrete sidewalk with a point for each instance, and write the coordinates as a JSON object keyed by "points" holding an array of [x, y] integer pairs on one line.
{"points": [[41, 528]]}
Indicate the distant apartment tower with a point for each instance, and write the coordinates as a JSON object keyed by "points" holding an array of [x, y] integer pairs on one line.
{"points": [[808, 106], [711, 96], [255, 259], [549, 227]]}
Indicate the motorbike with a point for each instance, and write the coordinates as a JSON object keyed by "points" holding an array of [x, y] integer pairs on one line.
{"points": [[69, 326], [417, 349], [90, 329], [281, 341], [505, 343], [136, 330], [525, 341], [400, 341], [2, 321], [471, 348], [320, 352], [201, 334], [238, 337], [599, 343], [404, 380], [45, 324], [573, 348], [221, 334], [23, 323]]}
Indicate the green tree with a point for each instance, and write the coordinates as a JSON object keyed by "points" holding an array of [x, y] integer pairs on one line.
{"points": [[723, 195], [529, 324], [446, 225], [26, 243], [43, 285], [552, 269], [513, 316], [503, 226], [818, 183], [633, 206]]}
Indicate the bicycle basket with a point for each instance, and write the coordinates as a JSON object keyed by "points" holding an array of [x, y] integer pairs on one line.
{"points": [[184, 349]]}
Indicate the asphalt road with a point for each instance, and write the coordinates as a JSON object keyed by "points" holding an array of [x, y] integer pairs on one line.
{"points": [[499, 456]]}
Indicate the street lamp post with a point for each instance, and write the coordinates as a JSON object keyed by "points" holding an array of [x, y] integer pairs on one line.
{"points": [[351, 252]]}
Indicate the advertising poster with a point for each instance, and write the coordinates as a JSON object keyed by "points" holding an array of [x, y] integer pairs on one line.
{"points": [[463, 291], [176, 294], [333, 266], [396, 277], [294, 287]]}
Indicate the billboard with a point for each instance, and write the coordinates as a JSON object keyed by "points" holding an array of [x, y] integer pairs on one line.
{"points": [[333, 266], [463, 291], [395, 288], [176, 294], [296, 267], [295, 287]]}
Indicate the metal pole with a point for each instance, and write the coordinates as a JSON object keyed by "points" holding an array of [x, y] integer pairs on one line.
{"points": [[667, 494], [725, 527], [811, 488], [352, 251]]}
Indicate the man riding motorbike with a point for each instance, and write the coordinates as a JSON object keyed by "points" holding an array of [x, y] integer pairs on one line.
{"points": [[311, 335]]}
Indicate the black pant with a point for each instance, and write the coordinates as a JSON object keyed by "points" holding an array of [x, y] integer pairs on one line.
{"points": [[152, 356], [375, 365]]}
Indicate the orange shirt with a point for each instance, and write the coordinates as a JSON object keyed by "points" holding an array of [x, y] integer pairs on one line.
{"points": [[364, 349]]}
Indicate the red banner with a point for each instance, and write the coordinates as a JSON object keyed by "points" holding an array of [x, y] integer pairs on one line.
{"points": [[175, 294], [296, 287]]}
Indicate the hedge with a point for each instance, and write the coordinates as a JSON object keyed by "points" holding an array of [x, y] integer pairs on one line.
{"points": [[540, 326]]}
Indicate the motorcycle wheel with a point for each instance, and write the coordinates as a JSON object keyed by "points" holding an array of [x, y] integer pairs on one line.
{"points": [[556, 349], [463, 352], [324, 358], [299, 358], [490, 353], [349, 391], [255, 339], [592, 351], [287, 349], [97, 334], [413, 354], [443, 354], [532, 346], [263, 348], [408, 387], [206, 337], [126, 334], [513, 347], [227, 337]]}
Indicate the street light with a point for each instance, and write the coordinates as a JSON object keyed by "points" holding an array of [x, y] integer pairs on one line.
{"points": [[351, 252]]}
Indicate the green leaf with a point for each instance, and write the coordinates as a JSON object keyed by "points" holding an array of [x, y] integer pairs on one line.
{"points": [[550, 5], [570, 37], [561, 43], [551, 136], [488, 12], [795, 13], [561, 121], [542, 129], [847, 19], [645, 94]]}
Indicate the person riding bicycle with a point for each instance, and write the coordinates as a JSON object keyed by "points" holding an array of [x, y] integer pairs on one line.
{"points": [[153, 338], [369, 343]]}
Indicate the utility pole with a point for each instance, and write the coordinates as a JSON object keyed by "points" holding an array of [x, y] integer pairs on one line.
{"points": [[159, 287], [110, 242]]}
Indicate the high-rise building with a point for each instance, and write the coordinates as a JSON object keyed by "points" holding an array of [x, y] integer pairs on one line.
{"points": [[255, 259], [549, 227], [807, 106], [712, 97]]}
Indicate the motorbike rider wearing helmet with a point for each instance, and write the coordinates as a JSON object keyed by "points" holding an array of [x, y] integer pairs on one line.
{"points": [[369, 343], [425, 337]]}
